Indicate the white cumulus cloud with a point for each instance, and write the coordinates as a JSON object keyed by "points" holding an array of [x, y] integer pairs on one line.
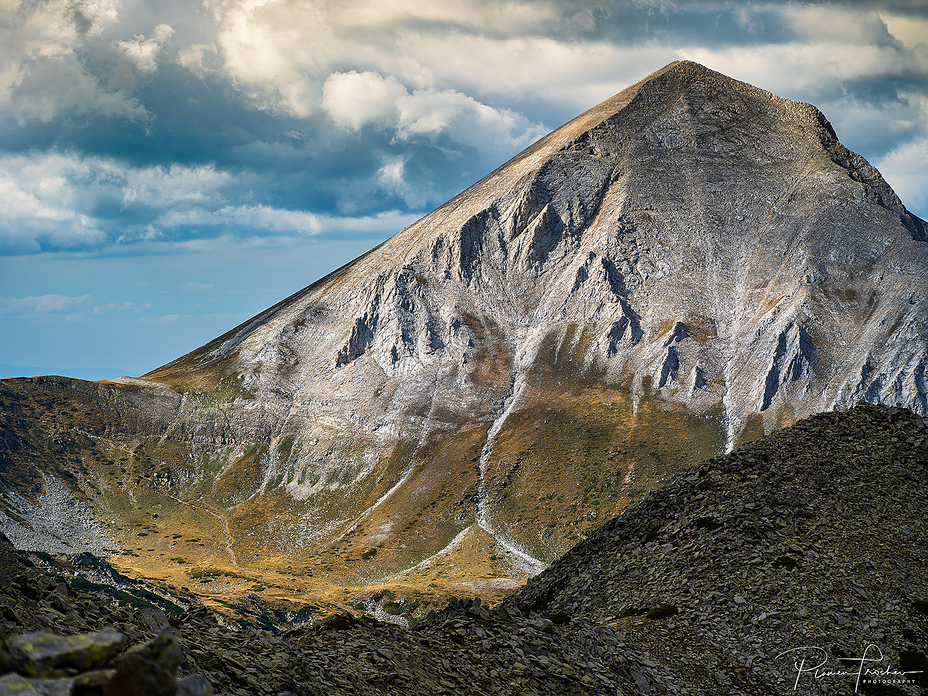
{"points": [[465, 120], [65, 200], [145, 52], [42, 73], [354, 99]]}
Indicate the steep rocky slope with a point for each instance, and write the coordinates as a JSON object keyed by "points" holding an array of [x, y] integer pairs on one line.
{"points": [[684, 267], [693, 256], [815, 537]]}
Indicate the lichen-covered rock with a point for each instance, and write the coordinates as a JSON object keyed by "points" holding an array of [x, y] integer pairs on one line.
{"points": [[36, 663], [149, 669], [15, 685], [44, 654], [163, 650]]}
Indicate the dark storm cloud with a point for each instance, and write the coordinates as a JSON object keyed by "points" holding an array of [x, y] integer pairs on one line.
{"points": [[914, 8]]}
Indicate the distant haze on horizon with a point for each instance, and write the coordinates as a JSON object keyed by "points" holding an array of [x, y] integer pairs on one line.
{"points": [[168, 170]]}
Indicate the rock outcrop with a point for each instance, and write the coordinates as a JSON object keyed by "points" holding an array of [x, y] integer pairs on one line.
{"points": [[804, 546], [50, 664]]}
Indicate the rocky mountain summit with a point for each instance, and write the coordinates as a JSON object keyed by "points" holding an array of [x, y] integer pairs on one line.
{"points": [[694, 255], [813, 538], [683, 268]]}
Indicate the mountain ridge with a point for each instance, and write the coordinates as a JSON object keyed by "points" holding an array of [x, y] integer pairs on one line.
{"points": [[811, 536]]}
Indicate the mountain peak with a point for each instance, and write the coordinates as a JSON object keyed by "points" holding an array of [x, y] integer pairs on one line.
{"points": [[646, 99], [685, 266]]}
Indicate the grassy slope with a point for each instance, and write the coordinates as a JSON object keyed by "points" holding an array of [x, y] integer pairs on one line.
{"points": [[570, 457]]}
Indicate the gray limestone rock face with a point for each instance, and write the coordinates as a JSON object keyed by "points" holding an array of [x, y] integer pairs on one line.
{"points": [[695, 239], [688, 203]]}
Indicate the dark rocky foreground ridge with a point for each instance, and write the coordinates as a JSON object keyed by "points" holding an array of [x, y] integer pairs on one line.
{"points": [[814, 537]]}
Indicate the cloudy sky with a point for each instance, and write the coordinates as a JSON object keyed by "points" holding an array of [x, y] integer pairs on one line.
{"points": [[169, 169]]}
